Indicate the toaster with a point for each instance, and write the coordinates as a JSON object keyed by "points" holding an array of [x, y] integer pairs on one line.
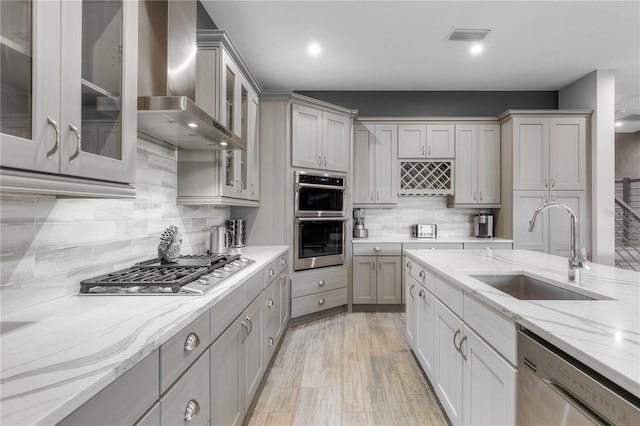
{"points": [[425, 231]]}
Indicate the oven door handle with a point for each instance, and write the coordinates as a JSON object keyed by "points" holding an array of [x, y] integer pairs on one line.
{"points": [[314, 185], [320, 219]]}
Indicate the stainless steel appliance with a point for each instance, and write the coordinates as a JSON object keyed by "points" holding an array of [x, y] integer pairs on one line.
{"points": [[191, 275], [424, 231], [359, 231], [220, 240], [483, 225], [319, 242], [555, 389], [238, 232], [319, 195]]}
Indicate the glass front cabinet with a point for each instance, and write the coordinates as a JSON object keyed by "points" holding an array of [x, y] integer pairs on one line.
{"points": [[68, 96]]}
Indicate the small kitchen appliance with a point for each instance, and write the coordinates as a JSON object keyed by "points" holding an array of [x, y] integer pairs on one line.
{"points": [[220, 240], [359, 231], [238, 232], [483, 225], [424, 231]]}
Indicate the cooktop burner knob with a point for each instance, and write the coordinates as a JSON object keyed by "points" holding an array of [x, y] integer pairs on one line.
{"points": [[226, 269], [244, 260], [216, 274]]}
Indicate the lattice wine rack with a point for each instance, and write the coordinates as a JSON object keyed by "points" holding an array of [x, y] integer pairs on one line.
{"points": [[425, 177]]}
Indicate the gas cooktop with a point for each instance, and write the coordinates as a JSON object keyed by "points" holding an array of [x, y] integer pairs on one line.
{"points": [[190, 275]]}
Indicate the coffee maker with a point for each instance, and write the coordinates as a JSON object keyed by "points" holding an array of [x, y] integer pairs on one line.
{"points": [[359, 231], [483, 225]]}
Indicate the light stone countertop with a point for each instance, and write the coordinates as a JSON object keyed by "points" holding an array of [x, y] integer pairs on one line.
{"points": [[73, 347], [603, 334], [439, 240]]}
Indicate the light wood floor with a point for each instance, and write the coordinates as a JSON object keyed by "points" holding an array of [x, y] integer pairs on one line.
{"points": [[347, 369]]}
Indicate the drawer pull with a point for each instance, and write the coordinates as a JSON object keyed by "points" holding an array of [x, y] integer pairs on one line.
{"points": [[283, 261], [192, 410], [192, 341], [411, 291], [421, 274], [409, 265], [270, 341], [377, 249], [271, 272], [270, 303], [321, 301], [321, 283], [421, 294]]}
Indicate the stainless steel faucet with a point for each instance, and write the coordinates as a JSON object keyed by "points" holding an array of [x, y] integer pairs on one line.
{"points": [[575, 264]]}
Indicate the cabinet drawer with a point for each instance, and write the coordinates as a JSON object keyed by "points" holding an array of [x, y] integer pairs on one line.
{"points": [[499, 331], [432, 245], [225, 311], [189, 396], [252, 288], [315, 282], [132, 393], [182, 349], [269, 341], [318, 302], [450, 295], [275, 268], [270, 308], [152, 418], [369, 249], [424, 276], [480, 245]]}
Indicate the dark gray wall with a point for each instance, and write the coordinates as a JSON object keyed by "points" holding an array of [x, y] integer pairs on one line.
{"points": [[435, 104], [204, 20]]}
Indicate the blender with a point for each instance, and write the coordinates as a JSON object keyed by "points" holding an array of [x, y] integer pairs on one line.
{"points": [[359, 231]]}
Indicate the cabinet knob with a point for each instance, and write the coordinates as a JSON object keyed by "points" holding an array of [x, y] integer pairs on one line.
{"points": [[421, 274], [270, 341], [271, 272], [321, 283], [321, 301], [283, 261], [192, 410], [422, 294], [409, 265], [270, 303], [191, 342], [377, 249]]}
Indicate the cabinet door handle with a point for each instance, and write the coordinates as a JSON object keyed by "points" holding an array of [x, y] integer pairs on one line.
{"points": [[545, 198], [373, 265], [250, 325], [421, 294], [474, 195], [553, 182], [371, 197], [325, 161], [380, 264], [464, 357], [191, 342], [319, 160], [75, 155], [377, 195], [321, 283], [455, 336], [192, 410], [546, 182], [429, 151], [409, 265], [54, 148], [480, 195], [421, 274], [411, 291], [246, 329], [321, 301], [422, 149]]}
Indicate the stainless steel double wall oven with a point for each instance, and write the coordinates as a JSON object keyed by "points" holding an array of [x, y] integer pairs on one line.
{"points": [[320, 220]]}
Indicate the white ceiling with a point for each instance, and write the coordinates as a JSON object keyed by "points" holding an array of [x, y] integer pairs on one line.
{"points": [[403, 45]]}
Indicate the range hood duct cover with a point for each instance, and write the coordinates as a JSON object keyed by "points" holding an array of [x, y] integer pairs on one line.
{"points": [[167, 113]]}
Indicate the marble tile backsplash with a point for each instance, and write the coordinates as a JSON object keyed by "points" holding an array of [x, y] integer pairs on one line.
{"points": [[48, 245], [396, 222]]}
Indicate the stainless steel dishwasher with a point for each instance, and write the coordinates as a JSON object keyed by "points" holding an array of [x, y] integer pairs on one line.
{"points": [[555, 389]]}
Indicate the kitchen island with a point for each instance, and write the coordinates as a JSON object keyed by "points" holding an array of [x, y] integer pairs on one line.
{"points": [[58, 355], [603, 334]]}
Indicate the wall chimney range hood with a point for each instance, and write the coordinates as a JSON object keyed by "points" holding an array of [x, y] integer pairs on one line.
{"points": [[167, 113]]}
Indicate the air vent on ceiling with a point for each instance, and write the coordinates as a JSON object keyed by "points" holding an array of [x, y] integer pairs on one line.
{"points": [[468, 34]]}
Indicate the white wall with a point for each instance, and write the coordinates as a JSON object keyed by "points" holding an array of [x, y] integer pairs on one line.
{"points": [[597, 91], [396, 222], [49, 245]]}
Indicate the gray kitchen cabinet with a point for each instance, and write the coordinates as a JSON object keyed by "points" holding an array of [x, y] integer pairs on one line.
{"points": [[411, 307], [227, 376], [377, 279], [151, 418], [477, 171], [254, 362], [426, 140], [188, 399], [318, 289], [141, 381], [425, 345], [544, 158], [78, 125], [230, 94], [320, 139], [375, 166]]}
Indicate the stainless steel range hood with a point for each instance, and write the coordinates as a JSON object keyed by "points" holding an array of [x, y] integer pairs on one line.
{"points": [[167, 50]]}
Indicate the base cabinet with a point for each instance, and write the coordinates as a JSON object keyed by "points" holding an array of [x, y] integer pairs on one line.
{"points": [[410, 306], [227, 376], [377, 279], [318, 290], [425, 344]]}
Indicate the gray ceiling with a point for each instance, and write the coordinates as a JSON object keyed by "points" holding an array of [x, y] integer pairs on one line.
{"points": [[403, 45]]}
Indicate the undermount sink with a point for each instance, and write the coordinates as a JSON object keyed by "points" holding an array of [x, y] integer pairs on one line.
{"points": [[524, 287], [7, 326]]}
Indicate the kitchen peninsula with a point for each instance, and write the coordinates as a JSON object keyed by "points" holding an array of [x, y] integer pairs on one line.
{"points": [[601, 333]]}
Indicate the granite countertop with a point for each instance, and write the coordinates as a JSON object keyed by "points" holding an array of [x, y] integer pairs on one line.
{"points": [[439, 240], [69, 349], [603, 334]]}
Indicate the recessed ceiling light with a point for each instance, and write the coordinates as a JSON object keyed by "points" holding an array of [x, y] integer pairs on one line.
{"points": [[618, 123], [476, 49], [314, 49], [192, 125]]}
